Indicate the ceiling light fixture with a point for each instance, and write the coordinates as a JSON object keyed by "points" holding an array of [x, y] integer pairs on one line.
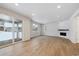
{"points": [[58, 16], [58, 6], [33, 14], [16, 4]]}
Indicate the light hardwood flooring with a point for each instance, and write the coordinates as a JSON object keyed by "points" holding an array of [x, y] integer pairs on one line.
{"points": [[42, 46]]}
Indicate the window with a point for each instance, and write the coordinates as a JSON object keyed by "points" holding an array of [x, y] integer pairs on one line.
{"points": [[35, 27]]}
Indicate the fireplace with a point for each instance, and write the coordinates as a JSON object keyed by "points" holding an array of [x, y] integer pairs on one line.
{"points": [[62, 33]]}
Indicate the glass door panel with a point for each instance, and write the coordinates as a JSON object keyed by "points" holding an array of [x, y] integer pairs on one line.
{"points": [[5, 30], [10, 30]]}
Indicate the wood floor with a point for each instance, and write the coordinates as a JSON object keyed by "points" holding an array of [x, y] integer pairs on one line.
{"points": [[42, 46]]}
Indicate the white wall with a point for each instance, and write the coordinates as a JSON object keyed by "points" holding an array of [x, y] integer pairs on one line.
{"points": [[72, 31], [77, 29], [50, 29], [42, 29], [65, 24], [26, 29]]}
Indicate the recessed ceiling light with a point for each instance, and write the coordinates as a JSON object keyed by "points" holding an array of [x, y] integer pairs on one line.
{"points": [[58, 16], [33, 24], [16, 4], [33, 14], [59, 6]]}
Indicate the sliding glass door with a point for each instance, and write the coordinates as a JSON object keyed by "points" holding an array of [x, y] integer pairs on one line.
{"points": [[5, 30], [10, 30]]}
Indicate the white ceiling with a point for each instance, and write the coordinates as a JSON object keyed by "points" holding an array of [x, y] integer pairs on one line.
{"points": [[44, 12]]}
